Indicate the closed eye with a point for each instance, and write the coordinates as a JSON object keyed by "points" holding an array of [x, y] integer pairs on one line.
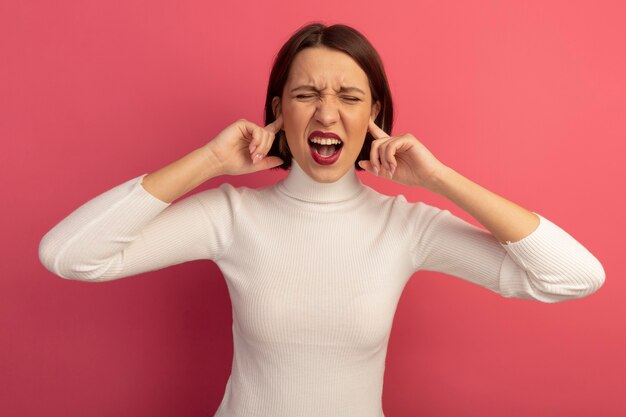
{"points": [[350, 99]]}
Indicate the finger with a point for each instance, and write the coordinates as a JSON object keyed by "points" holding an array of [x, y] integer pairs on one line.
{"points": [[276, 125], [256, 143], [248, 130], [390, 155], [375, 152], [382, 154], [385, 173], [266, 143], [268, 163], [374, 157], [367, 166], [376, 131], [273, 129]]}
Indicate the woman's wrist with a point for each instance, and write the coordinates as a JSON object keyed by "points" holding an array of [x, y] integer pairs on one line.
{"points": [[439, 181], [506, 220], [212, 166], [182, 176]]}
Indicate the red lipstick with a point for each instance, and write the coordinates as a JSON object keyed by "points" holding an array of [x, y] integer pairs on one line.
{"points": [[321, 159], [325, 160], [320, 134]]}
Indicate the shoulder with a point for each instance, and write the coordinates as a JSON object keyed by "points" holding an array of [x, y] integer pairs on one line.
{"points": [[221, 199], [415, 216], [399, 204], [228, 197]]}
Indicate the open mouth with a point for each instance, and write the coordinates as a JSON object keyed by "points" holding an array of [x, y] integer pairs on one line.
{"points": [[325, 147]]}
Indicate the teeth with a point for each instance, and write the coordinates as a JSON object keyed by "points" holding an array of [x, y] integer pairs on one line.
{"points": [[325, 141]]}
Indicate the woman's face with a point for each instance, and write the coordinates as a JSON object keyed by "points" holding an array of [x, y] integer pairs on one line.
{"points": [[326, 107]]}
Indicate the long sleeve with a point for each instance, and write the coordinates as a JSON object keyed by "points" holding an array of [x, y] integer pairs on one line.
{"points": [[548, 265], [126, 231]]}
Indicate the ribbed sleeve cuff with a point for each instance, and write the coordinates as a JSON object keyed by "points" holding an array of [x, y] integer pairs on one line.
{"points": [[554, 266], [546, 239], [138, 183]]}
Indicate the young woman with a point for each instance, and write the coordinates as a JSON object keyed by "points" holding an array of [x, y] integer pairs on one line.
{"points": [[316, 263]]}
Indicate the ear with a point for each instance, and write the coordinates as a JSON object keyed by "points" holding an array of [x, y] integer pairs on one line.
{"points": [[375, 110], [276, 109]]}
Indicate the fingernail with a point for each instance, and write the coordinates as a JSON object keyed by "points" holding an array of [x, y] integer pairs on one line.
{"points": [[257, 158], [376, 169], [252, 149]]}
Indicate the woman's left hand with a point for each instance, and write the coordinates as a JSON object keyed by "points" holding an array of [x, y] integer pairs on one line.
{"points": [[402, 159]]}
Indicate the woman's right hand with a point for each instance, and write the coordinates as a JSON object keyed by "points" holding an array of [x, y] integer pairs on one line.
{"points": [[242, 147]]}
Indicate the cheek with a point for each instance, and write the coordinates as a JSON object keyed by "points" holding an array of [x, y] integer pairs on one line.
{"points": [[295, 120], [356, 122], [296, 117]]}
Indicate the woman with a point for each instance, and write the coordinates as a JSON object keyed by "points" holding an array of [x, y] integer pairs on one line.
{"points": [[316, 263]]}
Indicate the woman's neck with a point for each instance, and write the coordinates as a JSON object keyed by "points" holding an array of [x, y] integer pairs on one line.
{"points": [[299, 185]]}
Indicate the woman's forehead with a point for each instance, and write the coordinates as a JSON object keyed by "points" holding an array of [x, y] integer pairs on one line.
{"points": [[324, 68]]}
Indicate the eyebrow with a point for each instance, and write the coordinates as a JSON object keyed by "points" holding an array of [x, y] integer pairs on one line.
{"points": [[341, 90]]}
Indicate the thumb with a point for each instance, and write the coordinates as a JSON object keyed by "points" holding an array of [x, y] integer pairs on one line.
{"points": [[367, 165], [268, 162]]}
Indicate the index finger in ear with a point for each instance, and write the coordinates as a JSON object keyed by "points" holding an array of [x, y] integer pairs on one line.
{"points": [[376, 131], [276, 125]]}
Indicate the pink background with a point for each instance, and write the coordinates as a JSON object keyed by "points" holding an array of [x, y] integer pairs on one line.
{"points": [[525, 98]]}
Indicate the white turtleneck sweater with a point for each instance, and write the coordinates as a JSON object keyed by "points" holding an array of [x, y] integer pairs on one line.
{"points": [[314, 272]]}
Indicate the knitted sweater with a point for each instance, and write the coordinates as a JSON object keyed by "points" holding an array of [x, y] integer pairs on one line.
{"points": [[314, 272]]}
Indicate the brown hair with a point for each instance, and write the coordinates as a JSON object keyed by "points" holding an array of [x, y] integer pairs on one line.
{"points": [[342, 38]]}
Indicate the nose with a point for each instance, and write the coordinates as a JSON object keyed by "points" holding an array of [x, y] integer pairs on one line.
{"points": [[327, 112]]}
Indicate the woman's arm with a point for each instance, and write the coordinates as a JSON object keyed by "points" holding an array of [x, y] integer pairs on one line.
{"points": [[519, 255], [238, 149], [134, 228], [507, 221], [126, 231], [181, 176], [548, 265], [406, 160]]}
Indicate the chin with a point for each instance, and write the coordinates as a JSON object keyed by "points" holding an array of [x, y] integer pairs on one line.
{"points": [[327, 179], [326, 174]]}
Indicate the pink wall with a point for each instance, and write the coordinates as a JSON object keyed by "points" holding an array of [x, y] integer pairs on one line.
{"points": [[525, 98]]}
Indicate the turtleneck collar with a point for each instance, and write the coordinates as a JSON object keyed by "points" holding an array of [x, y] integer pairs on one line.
{"points": [[299, 185]]}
